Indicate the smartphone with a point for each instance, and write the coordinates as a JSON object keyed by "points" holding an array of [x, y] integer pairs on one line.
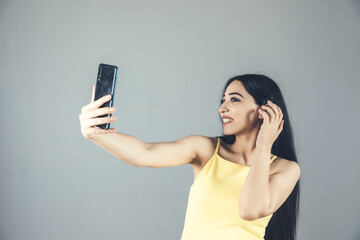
{"points": [[105, 85]]}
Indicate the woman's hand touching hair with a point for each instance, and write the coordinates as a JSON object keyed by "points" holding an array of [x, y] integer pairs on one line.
{"points": [[272, 124]]}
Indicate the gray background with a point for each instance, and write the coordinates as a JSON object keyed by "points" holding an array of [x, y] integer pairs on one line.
{"points": [[174, 58]]}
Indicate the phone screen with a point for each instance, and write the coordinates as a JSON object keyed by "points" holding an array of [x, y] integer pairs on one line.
{"points": [[105, 85]]}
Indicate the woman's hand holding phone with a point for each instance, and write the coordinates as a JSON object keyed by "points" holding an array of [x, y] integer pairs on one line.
{"points": [[89, 117]]}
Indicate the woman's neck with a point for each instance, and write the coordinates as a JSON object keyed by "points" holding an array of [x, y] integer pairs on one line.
{"points": [[243, 147]]}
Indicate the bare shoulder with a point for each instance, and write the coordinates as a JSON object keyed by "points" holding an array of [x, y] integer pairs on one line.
{"points": [[203, 145], [205, 148], [282, 164]]}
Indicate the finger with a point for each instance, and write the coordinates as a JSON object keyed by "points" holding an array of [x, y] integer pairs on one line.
{"points": [[99, 112], [265, 116], [98, 130], [93, 93], [97, 103], [111, 130], [279, 112], [98, 121], [275, 109], [96, 127], [91, 122], [281, 125], [270, 111]]}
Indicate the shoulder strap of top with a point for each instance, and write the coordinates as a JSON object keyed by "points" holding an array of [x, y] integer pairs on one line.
{"points": [[217, 145], [272, 159]]}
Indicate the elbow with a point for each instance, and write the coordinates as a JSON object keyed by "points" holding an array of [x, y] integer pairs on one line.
{"points": [[253, 211], [249, 215], [246, 216]]}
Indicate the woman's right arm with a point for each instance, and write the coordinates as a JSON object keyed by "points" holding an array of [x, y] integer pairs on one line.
{"points": [[131, 149]]}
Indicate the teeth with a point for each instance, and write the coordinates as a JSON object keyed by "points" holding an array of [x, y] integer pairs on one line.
{"points": [[226, 120]]}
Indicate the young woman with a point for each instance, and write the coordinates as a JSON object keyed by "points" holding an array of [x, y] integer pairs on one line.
{"points": [[246, 182]]}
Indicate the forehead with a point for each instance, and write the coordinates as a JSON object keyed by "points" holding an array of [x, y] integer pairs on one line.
{"points": [[236, 86]]}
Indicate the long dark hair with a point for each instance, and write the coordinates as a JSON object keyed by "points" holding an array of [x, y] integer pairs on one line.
{"points": [[283, 223]]}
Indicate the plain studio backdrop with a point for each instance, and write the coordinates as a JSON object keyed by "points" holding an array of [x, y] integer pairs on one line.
{"points": [[174, 58]]}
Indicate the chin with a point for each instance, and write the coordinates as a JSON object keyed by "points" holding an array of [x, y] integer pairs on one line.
{"points": [[227, 132]]}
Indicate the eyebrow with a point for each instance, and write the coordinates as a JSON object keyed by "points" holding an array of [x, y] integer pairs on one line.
{"points": [[235, 93]]}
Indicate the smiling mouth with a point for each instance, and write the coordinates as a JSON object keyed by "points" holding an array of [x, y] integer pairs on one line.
{"points": [[227, 122]]}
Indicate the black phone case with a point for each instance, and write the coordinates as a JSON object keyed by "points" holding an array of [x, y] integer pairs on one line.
{"points": [[105, 85]]}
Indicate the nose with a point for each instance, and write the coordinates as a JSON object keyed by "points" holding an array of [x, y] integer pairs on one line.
{"points": [[223, 108]]}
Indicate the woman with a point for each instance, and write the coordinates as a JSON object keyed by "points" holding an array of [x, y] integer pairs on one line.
{"points": [[246, 182]]}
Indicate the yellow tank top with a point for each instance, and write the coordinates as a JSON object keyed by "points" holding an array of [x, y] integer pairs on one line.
{"points": [[212, 211]]}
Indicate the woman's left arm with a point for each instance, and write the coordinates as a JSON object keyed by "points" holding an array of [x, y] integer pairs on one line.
{"points": [[262, 194]]}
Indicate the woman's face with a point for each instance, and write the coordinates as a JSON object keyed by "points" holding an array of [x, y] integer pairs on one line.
{"points": [[240, 106]]}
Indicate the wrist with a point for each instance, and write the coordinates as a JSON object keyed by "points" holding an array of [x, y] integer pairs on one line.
{"points": [[264, 148]]}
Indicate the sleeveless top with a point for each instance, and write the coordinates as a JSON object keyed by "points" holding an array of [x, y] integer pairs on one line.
{"points": [[212, 211]]}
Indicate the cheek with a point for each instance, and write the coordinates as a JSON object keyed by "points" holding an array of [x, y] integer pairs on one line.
{"points": [[254, 115]]}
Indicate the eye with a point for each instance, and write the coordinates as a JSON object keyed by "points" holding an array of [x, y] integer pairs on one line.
{"points": [[222, 100]]}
